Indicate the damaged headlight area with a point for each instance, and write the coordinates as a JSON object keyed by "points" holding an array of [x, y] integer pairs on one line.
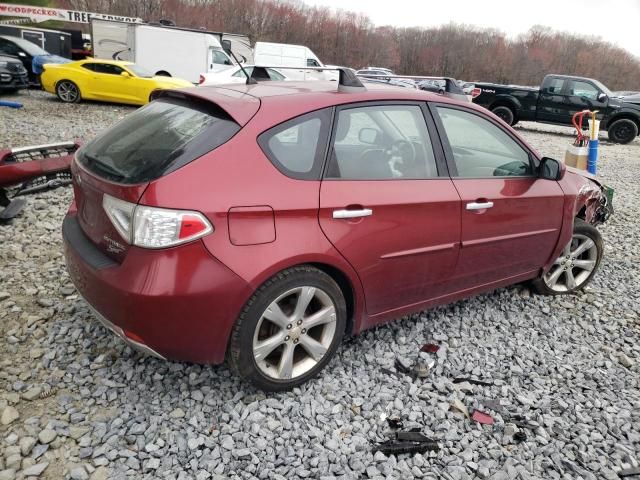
{"points": [[597, 201]]}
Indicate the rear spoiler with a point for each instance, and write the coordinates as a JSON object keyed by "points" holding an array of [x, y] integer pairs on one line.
{"points": [[349, 81]]}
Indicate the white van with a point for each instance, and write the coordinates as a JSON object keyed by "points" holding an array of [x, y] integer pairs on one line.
{"points": [[169, 51], [285, 55]]}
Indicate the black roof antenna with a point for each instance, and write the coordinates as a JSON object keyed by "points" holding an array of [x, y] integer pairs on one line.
{"points": [[250, 80]]}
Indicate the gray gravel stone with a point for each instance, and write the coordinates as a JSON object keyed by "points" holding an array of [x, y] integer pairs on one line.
{"points": [[9, 415], [35, 470], [47, 436]]}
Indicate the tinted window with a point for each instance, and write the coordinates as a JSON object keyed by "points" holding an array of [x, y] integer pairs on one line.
{"points": [[555, 86], [88, 66], [220, 57], [297, 147], [8, 47], [382, 143], [31, 48], [157, 139], [583, 89], [312, 62], [107, 68], [482, 149]]}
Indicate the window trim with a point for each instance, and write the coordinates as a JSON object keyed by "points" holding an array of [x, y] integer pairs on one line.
{"points": [[436, 144], [534, 161], [326, 119]]}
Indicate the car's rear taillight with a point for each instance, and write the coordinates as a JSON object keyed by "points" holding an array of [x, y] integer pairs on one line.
{"points": [[151, 227], [475, 92], [201, 79]]}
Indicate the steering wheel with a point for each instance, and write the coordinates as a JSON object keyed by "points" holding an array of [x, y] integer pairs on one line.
{"points": [[403, 149]]}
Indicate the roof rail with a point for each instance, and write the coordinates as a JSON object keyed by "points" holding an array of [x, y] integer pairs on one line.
{"points": [[451, 88], [347, 80]]}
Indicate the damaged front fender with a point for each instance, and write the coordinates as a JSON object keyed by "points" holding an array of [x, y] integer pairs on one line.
{"points": [[593, 200]]}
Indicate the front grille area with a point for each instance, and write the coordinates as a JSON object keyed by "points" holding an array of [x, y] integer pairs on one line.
{"points": [[16, 67]]}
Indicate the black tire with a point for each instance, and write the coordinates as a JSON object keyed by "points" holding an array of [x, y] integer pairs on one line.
{"points": [[505, 113], [623, 131], [580, 229], [68, 92], [240, 353]]}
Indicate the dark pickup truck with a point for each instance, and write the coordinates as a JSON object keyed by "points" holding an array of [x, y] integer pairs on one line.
{"points": [[557, 99]]}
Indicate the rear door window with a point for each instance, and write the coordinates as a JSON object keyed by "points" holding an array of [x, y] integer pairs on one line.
{"points": [[297, 147], [107, 68], [157, 139]]}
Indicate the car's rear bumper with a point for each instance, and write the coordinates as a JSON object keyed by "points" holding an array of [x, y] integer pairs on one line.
{"points": [[178, 303]]}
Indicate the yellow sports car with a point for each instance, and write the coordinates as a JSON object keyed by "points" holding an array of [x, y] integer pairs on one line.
{"points": [[104, 80]]}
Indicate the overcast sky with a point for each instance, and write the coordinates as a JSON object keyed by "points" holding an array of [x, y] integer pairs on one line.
{"points": [[616, 21]]}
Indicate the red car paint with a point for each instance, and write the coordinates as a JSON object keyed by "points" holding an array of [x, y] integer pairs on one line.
{"points": [[421, 248]]}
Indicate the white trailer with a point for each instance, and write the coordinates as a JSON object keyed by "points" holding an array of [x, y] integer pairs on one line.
{"points": [[172, 51]]}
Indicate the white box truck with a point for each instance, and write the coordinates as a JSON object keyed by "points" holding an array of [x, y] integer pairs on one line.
{"points": [[286, 55], [163, 50]]}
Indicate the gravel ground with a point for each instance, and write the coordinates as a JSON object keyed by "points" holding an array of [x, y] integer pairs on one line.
{"points": [[564, 391]]}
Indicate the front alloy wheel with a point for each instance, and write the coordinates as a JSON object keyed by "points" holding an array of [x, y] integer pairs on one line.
{"points": [[289, 329], [577, 263]]}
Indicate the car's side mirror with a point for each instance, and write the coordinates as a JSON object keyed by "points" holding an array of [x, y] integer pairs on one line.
{"points": [[551, 169], [226, 46], [368, 136], [602, 97], [125, 74]]}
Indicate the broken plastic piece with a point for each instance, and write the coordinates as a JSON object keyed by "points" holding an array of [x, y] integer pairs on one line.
{"points": [[459, 406], [413, 435], [472, 381], [407, 442], [482, 418], [430, 348], [629, 472], [520, 436], [395, 422]]}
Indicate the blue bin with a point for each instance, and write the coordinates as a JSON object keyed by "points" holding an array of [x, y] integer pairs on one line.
{"points": [[592, 159]]}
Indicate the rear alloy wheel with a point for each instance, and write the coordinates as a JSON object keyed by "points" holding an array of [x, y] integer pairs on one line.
{"points": [[505, 114], [623, 131], [68, 92], [577, 263], [289, 330]]}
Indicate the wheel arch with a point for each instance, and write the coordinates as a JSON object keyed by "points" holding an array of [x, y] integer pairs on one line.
{"points": [[624, 116], [341, 272], [506, 101]]}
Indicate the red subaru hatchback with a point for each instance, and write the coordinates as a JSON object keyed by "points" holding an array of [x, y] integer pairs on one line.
{"points": [[259, 223]]}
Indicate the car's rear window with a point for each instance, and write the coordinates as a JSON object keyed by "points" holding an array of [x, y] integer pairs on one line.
{"points": [[157, 139]]}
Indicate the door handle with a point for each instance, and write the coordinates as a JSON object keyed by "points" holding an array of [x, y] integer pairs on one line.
{"points": [[479, 205], [341, 214]]}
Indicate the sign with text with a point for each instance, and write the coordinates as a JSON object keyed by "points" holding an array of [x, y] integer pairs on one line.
{"points": [[42, 14]]}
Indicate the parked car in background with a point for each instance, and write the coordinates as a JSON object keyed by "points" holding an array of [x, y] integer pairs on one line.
{"points": [[436, 86], [24, 50], [104, 80], [13, 75], [467, 87], [238, 223], [236, 75], [558, 99], [374, 72], [397, 82], [30, 54]]}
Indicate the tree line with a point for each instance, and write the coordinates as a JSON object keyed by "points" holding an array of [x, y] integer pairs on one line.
{"points": [[346, 38]]}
